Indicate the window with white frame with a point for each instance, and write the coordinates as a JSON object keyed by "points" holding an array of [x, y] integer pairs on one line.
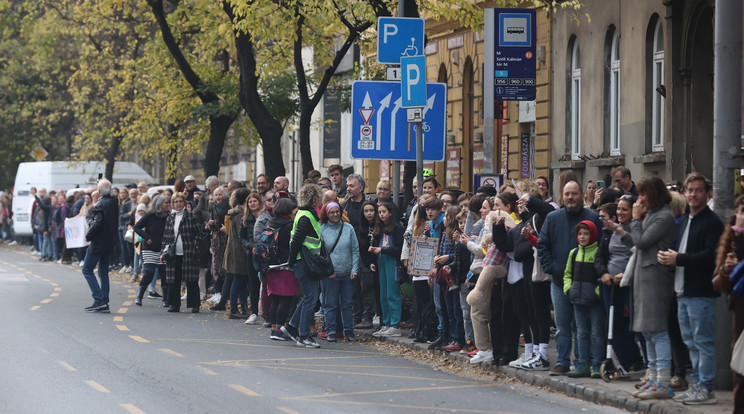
{"points": [[575, 102], [615, 95], [657, 111]]}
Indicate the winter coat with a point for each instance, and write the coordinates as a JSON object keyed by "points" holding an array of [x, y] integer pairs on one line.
{"points": [[653, 283], [366, 239], [236, 259], [345, 256], [557, 238], [103, 231], [190, 232], [125, 214], [261, 222], [580, 277], [152, 227], [699, 261]]}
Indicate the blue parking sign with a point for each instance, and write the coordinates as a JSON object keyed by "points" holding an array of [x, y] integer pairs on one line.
{"points": [[399, 37], [413, 81]]}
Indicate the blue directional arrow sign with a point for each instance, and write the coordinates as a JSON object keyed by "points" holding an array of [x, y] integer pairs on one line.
{"points": [[413, 81], [398, 37], [380, 130]]}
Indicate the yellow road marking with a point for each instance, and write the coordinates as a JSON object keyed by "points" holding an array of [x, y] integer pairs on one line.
{"points": [[132, 409], [339, 366], [132, 291], [122, 327], [244, 390], [67, 366], [364, 374], [122, 310], [131, 297], [139, 339], [20, 268], [57, 289], [54, 295], [416, 407], [118, 319], [29, 272], [33, 308], [46, 280], [96, 386], [37, 276], [206, 370], [46, 300], [447, 387], [54, 284], [170, 352], [287, 410], [127, 303]]}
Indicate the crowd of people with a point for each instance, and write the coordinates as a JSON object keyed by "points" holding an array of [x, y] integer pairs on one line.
{"points": [[511, 266]]}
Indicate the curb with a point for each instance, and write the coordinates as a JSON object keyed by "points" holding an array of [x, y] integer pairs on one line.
{"points": [[559, 384]]}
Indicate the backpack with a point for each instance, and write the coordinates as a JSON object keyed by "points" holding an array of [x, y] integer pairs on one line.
{"points": [[266, 249]]}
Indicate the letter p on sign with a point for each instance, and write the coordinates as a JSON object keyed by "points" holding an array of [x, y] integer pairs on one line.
{"points": [[413, 81]]}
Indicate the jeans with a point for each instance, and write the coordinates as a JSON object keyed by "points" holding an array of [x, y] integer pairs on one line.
{"points": [[437, 295], [159, 272], [590, 324], [659, 350], [239, 292], [47, 249], [100, 293], [454, 313], [37, 241], [696, 321], [563, 315], [126, 249], [466, 321], [137, 267], [303, 315], [339, 294]]}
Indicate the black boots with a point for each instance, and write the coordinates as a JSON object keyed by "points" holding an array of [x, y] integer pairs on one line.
{"points": [[140, 295], [441, 340]]}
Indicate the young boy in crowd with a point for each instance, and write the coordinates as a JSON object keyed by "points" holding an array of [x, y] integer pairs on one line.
{"points": [[580, 283]]}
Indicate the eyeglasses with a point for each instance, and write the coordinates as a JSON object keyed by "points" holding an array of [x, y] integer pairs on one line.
{"points": [[178, 201], [446, 202], [334, 213]]}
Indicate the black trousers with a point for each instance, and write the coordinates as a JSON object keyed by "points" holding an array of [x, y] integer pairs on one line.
{"points": [[504, 324], [364, 302], [174, 288], [280, 307]]}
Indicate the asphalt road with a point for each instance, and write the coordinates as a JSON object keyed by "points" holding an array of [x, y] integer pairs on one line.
{"points": [[56, 358]]}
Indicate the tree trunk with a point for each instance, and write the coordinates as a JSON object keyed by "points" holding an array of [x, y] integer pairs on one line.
{"points": [[218, 127], [306, 155], [269, 129], [110, 156]]}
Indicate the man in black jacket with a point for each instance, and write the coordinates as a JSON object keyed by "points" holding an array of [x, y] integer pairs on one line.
{"points": [[101, 235], [697, 239]]}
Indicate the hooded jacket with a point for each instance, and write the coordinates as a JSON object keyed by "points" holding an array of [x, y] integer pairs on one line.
{"points": [[580, 278]]}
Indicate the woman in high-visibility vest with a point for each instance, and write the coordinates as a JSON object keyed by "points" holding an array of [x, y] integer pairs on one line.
{"points": [[305, 231]]}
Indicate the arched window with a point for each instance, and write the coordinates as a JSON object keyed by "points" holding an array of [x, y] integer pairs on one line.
{"points": [[657, 85], [615, 95], [575, 108]]}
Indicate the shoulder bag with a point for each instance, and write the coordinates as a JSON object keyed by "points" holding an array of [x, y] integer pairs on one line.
{"points": [[319, 266], [168, 251]]}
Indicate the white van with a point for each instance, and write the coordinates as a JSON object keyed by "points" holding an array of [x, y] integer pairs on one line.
{"points": [[55, 175]]}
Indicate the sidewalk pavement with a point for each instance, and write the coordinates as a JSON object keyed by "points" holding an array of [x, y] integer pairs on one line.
{"points": [[615, 393]]}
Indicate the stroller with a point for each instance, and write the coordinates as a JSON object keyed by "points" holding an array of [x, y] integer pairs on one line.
{"points": [[611, 367]]}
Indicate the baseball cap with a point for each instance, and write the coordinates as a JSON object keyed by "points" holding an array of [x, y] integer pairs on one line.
{"points": [[189, 178]]}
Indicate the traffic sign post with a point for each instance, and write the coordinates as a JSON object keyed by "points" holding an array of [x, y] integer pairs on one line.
{"points": [[398, 37], [380, 130], [512, 49], [413, 81]]}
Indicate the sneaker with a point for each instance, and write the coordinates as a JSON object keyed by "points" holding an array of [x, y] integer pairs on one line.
{"points": [[82, 262], [154, 295], [183, 297], [237, 316], [349, 336], [215, 298], [517, 363], [642, 382], [138, 301], [96, 307], [308, 342], [657, 391], [266, 324], [582, 372], [453, 347], [252, 320], [468, 348], [278, 335], [649, 383], [701, 397], [536, 363], [379, 333], [12, 243], [559, 370], [376, 321], [482, 356], [59, 261], [364, 325], [681, 398], [322, 335], [291, 332], [678, 383], [596, 375], [331, 337], [391, 331], [318, 314]]}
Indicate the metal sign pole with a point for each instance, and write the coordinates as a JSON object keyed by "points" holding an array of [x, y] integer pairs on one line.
{"points": [[419, 158], [396, 164]]}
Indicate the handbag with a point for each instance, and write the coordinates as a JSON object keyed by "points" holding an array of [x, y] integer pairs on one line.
{"points": [[319, 266], [737, 356], [168, 251], [538, 274], [129, 235]]}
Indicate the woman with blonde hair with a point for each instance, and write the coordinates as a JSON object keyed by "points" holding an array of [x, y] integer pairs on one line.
{"points": [[183, 231]]}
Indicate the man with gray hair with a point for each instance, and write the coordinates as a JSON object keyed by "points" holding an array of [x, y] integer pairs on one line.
{"points": [[101, 235], [355, 197]]}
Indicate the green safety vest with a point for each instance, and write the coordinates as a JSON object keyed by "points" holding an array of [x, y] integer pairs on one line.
{"points": [[312, 243]]}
